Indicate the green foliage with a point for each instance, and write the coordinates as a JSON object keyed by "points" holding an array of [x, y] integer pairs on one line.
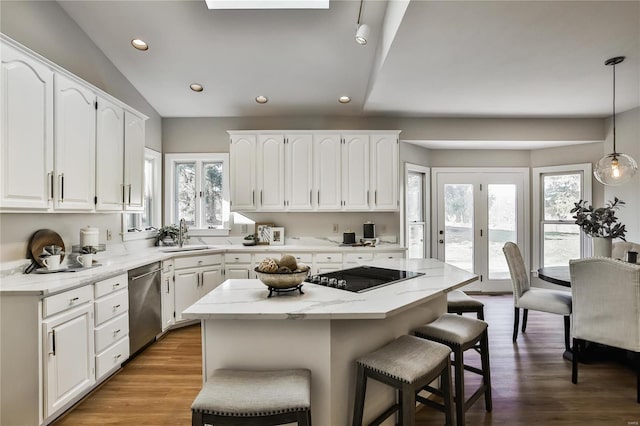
{"points": [[600, 222], [171, 231]]}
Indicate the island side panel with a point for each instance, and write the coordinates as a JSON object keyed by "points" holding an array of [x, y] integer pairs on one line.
{"points": [[274, 344], [352, 339]]}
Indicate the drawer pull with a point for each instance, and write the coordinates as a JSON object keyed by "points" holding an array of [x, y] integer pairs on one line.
{"points": [[329, 257], [74, 300], [117, 357], [116, 285], [199, 262], [115, 307], [115, 332]]}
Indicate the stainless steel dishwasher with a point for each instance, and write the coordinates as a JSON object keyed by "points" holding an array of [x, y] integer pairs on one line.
{"points": [[145, 321]]}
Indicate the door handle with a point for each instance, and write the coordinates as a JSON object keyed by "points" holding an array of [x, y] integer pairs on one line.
{"points": [[147, 274], [61, 187], [129, 194], [441, 241], [50, 179]]}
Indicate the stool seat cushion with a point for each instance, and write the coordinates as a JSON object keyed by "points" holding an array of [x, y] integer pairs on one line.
{"points": [[243, 393], [407, 358], [453, 328], [459, 299]]}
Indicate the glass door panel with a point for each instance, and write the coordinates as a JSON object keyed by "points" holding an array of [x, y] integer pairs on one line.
{"points": [[458, 229], [416, 241], [502, 227]]}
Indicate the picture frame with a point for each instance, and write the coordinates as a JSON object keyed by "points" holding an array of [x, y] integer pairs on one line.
{"points": [[277, 235], [263, 233]]}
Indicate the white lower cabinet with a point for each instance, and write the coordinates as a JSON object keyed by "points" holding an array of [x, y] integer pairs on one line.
{"points": [[327, 262], [195, 276], [68, 356], [167, 292], [238, 266]]}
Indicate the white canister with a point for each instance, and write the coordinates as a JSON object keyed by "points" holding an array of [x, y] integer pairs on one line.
{"points": [[89, 236]]}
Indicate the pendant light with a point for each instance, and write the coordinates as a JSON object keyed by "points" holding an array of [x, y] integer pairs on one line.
{"points": [[616, 168]]}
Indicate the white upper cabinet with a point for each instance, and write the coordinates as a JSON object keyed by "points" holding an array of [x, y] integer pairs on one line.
{"points": [[75, 144], [384, 172], [26, 151], [327, 168], [271, 172], [355, 172], [110, 153], [134, 138], [299, 172], [243, 172]]}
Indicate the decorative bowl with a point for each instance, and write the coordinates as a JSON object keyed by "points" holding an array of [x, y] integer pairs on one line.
{"points": [[281, 280]]}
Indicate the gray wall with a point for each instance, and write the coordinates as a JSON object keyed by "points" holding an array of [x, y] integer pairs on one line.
{"points": [[46, 29]]}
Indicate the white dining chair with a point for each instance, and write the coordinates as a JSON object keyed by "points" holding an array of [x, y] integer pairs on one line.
{"points": [[539, 299]]}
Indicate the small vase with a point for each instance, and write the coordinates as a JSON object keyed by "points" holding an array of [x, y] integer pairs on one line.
{"points": [[601, 247]]}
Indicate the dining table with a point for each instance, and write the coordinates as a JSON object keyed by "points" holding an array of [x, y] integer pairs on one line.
{"points": [[559, 275]]}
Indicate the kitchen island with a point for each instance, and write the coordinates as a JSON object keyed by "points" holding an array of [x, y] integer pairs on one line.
{"points": [[325, 330]]}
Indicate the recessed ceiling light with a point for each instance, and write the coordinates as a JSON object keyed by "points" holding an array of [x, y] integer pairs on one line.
{"points": [[344, 99], [262, 99], [196, 87], [139, 44]]}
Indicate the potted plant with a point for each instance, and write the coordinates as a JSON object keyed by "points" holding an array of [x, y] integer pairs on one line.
{"points": [[601, 224], [250, 240], [168, 235]]}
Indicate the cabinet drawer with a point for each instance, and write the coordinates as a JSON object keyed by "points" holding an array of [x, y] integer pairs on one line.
{"points": [[394, 255], [63, 301], [167, 266], [111, 306], [195, 261], [110, 285], [304, 258], [328, 257], [111, 331], [112, 358], [357, 257], [237, 257]]}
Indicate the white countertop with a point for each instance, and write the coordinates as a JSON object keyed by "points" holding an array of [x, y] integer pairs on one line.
{"points": [[114, 263], [247, 299]]}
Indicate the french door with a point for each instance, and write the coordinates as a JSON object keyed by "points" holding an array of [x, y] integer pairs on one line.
{"points": [[477, 211]]}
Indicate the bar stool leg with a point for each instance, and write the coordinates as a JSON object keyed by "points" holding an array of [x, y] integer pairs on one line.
{"points": [[458, 365], [447, 392], [196, 418], [486, 370], [400, 400], [408, 405], [525, 316], [361, 388], [304, 418], [481, 313]]}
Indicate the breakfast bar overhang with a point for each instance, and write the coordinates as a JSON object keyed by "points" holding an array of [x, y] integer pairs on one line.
{"points": [[325, 330]]}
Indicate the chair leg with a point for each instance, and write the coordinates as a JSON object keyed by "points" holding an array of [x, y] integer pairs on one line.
{"points": [[516, 320], [361, 389], [567, 332], [447, 393], [574, 361], [304, 418], [481, 313], [458, 366], [408, 405], [638, 377], [486, 370], [525, 315], [399, 399], [196, 418]]}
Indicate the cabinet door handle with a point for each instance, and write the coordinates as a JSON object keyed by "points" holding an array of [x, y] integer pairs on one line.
{"points": [[122, 185], [50, 182], [376, 197], [368, 199], [253, 197], [52, 342], [129, 194], [318, 197], [61, 187], [261, 202], [310, 197]]}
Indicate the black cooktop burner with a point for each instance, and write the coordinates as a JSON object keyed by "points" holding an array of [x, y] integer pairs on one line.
{"points": [[362, 278]]}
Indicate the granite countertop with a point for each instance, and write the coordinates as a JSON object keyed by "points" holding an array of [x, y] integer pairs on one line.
{"points": [[247, 299], [120, 261]]}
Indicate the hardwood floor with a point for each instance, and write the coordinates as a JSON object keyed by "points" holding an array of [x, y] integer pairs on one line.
{"points": [[531, 382]]}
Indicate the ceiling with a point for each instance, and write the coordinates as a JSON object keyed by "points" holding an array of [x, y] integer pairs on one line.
{"points": [[423, 59]]}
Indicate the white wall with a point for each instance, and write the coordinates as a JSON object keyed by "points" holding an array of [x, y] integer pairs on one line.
{"points": [[627, 142]]}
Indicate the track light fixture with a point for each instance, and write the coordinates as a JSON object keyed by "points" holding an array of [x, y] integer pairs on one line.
{"points": [[616, 168], [362, 30]]}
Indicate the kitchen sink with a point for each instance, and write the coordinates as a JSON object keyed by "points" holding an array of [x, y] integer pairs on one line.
{"points": [[189, 247]]}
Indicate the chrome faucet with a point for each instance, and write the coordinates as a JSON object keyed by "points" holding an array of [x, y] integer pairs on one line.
{"points": [[182, 230]]}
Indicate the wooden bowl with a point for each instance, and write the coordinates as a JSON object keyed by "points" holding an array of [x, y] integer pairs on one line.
{"points": [[281, 280]]}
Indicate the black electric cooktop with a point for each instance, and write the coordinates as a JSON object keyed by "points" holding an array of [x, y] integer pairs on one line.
{"points": [[361, 278]]}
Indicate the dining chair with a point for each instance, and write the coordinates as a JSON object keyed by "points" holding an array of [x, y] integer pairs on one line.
{"points": [[539, 299], [606, 307]]}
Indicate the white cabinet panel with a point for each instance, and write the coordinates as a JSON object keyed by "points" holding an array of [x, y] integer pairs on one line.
{"points": [[26, 151], [167, 297], [112, 358], [111, 331], [384, 172], [68, 357], [111, 306], [243, 172], [271, 172], [187, 289], [355, 172], [299, 172], [75, 145], [109, 156], [134, 134], [327, 169], [211, 278]]}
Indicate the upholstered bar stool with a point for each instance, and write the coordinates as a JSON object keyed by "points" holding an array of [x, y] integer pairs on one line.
{"points": [[406, 364], [460, 334], [241, 397], [459, 303]]}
